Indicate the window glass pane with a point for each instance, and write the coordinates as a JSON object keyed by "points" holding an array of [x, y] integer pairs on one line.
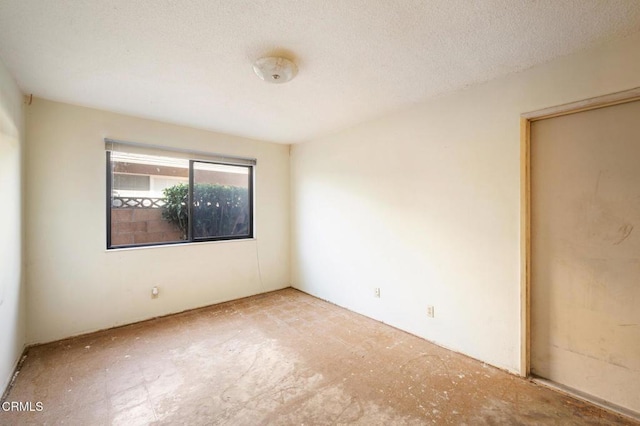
{"points": [[221, 200], [149, 200], [140, 185], [124, 182]]}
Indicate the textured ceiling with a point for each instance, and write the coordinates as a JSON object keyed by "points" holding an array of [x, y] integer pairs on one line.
{"points": [[190, 61]]}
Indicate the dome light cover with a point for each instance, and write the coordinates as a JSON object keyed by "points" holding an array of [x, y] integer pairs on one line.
{"points": [[275, 70]]}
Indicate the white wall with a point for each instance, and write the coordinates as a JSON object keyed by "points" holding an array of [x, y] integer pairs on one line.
{"points": [[75, 285], [12, 292], [425, 204]]}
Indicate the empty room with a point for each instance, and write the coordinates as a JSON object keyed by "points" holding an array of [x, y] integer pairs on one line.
{"points": [[320, 212]]}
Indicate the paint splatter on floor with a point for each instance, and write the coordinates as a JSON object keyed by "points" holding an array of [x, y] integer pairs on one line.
{"points": [[278, 358]]}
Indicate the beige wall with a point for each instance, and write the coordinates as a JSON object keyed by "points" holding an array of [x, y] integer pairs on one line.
{"points": [[12, 289], [425, 204], [75, 285]]}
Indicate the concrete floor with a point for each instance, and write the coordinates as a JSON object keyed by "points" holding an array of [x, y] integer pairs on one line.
{"points": [[279, 358]]}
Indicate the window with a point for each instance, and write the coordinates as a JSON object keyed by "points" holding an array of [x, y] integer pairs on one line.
{"points": [[125, 182], [157, 196]]}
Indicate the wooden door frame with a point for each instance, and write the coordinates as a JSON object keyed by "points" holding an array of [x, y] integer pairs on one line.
{"points": [[525, 202]]}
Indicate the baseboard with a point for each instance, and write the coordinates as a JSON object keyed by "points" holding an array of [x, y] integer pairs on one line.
{"points": [[606, 405]]}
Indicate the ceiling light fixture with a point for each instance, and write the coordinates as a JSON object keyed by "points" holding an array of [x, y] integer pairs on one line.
{"points": [[275, 70]]}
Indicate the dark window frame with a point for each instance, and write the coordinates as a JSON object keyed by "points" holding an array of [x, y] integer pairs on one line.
{"points": [[190, 239]]}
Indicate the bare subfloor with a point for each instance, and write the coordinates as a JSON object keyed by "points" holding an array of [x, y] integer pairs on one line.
{"points": [[279, 358]]}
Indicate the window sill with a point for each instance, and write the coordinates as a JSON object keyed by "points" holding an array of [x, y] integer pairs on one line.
{"points": [[174, 245]]}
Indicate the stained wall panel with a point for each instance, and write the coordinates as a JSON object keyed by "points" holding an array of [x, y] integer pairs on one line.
{"points": [[585, 291]]}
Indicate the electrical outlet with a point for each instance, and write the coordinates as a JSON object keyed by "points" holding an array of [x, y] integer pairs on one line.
{"points": [[376, 292], [154, 292], [431, 312]]}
